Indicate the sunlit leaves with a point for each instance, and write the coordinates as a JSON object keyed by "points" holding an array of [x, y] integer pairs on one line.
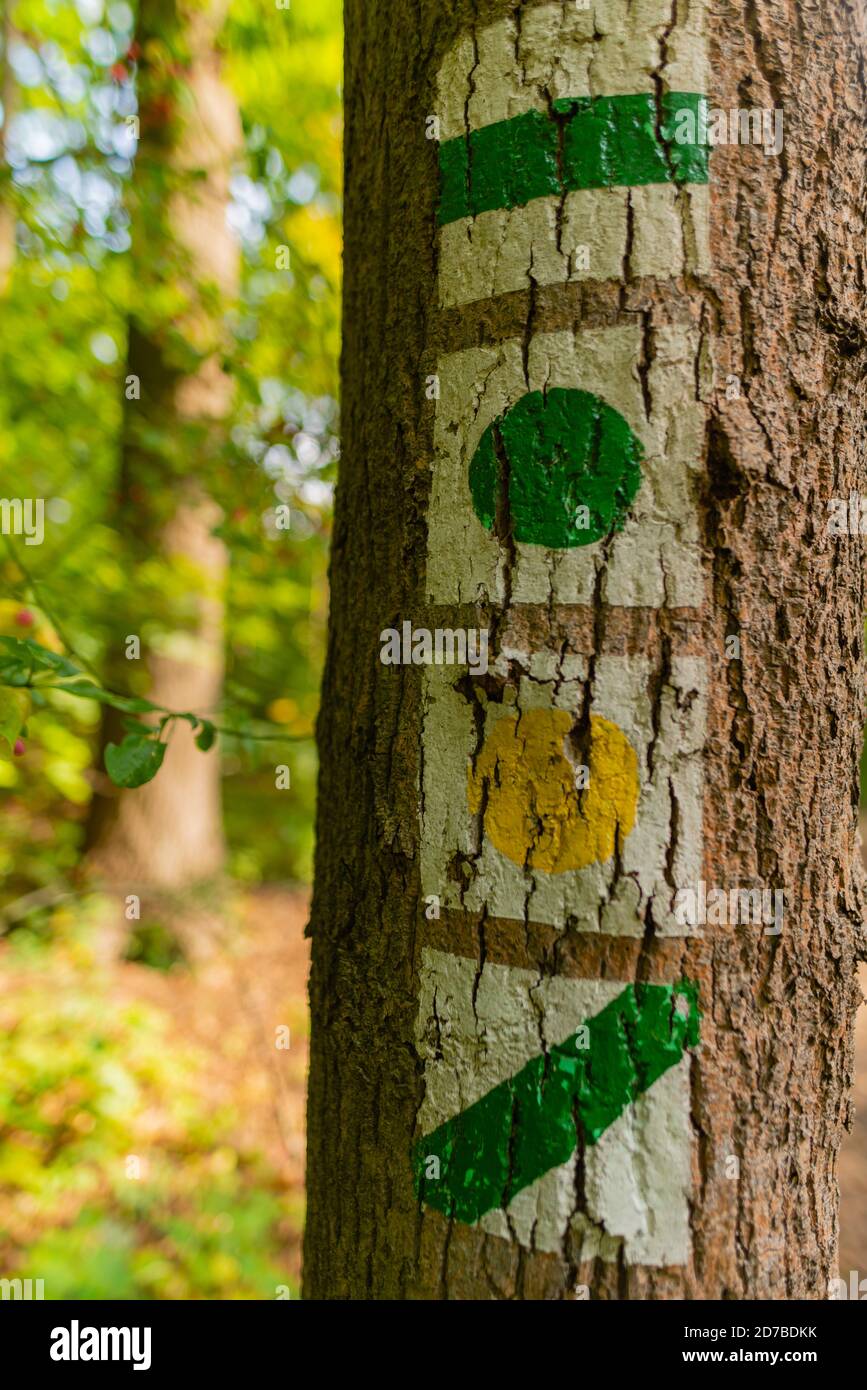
{"points": [[22, 659], [14, 708], [63, 412], [131, 763]]}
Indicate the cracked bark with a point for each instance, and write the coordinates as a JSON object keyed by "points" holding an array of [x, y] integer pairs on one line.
{"points": [[783, 309]]}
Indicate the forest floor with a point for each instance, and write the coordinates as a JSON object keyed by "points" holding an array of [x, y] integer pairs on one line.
{"points": [[241, 998], [232, 1007]]}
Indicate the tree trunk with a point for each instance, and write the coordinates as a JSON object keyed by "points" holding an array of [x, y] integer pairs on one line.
{"points": [[585, 924], [168, 834]]}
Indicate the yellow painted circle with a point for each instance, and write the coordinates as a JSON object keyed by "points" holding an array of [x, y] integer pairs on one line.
{"points": [[533, 811]]}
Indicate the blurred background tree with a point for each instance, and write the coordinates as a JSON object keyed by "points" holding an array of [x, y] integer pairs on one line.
{"points": [[70, 435], [169, 211], [177, 401]]}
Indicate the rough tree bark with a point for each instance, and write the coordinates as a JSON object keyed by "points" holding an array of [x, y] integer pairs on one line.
{"points": [[490, 1114], [168, 834]]}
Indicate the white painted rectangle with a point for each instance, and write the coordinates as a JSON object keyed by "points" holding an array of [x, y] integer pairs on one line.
{"points": [[656, 559], [476, 1029], [663, 850]]}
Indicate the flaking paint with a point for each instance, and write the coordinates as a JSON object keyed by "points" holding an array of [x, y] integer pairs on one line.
{"points": [[479, 1028], [524, 785], [525, 73], [465, 870], [655, 560], [573, 464]]}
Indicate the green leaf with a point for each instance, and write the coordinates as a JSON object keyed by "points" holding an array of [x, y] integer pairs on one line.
{"points": [[20, 655], [135, 761], [206, 736], [13, 714], [16, 666]]}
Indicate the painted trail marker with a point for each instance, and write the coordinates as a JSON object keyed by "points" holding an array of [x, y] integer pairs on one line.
{"points": [[557, 134], [561, 458], [506, 827], [566, 789], [523, 1073]]}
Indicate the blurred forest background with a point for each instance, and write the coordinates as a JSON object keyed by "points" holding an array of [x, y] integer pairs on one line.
{"points": [[169, 277], [169, 295]]}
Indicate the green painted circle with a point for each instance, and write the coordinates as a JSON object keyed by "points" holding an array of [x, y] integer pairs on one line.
{"points": [[560, 451]]}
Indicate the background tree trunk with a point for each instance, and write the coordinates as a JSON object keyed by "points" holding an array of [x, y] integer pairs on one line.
{"points": [[168, 834], [728, 330]]}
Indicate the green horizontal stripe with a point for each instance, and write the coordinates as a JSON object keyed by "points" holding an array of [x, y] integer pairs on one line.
{"points": [[585, 142], [534, 1121]]}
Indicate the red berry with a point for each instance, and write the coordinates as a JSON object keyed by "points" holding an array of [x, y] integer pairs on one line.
{"points": [[18, 750], [118, 72], [24, 618]]}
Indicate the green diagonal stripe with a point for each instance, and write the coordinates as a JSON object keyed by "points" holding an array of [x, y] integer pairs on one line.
{"points": [[534, 1121], [585, 142]]}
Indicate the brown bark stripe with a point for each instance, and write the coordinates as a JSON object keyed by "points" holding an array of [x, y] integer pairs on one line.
{"points": [[571, 953], [652, 301], [578, 628]]}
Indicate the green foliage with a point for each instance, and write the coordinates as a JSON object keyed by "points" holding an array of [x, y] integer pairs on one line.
{"points": [[62, 366], [90, 1080], [23, 666], [116, 1178], [153, 944], [13, 715]]}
